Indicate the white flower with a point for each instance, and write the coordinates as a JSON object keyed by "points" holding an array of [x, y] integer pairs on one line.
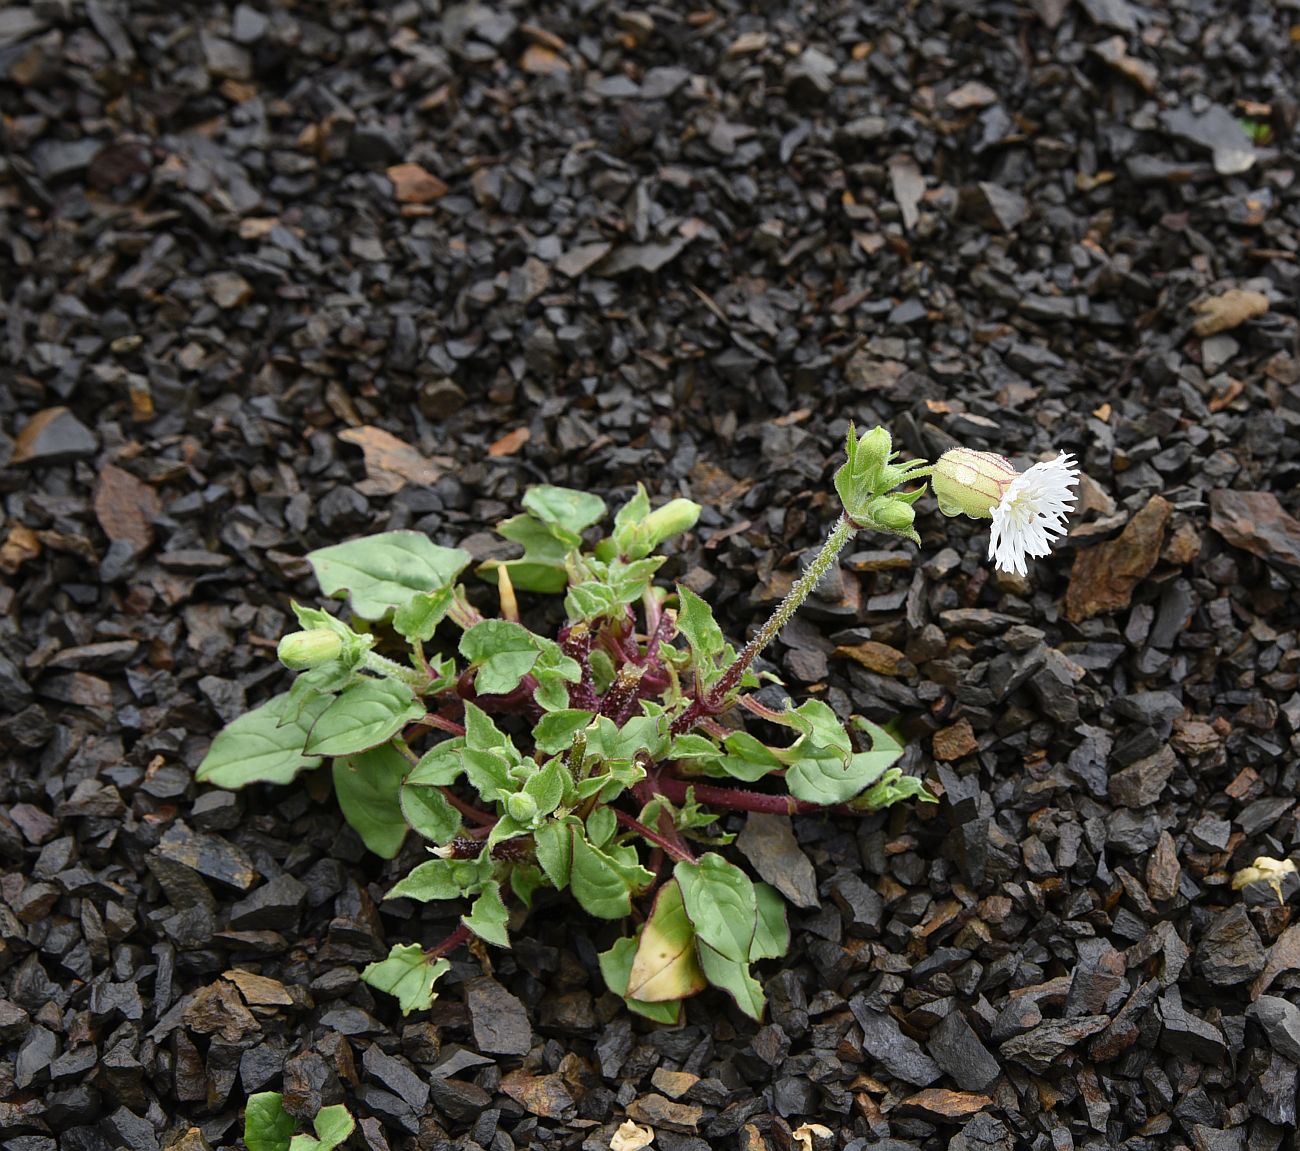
{"points": [[1031, 511]]}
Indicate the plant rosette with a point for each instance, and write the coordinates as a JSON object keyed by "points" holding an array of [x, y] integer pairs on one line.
{"points": [[594, 760]]}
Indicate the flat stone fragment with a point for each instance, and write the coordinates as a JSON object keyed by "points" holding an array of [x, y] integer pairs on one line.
{"points": [[660, 1112], [1218, 130], [1104, 576], [956, 1048], [53, 436], [768, 842], [954, 742], [982, 1133], [1256, 522], [412, 184], [499, 1019], [1184, 1034], [1280, 1021], [1039, 1048], [1143, 782], [1230, 951], [885, 1042], [943, 1105], [546, 1095], [208, 855]]}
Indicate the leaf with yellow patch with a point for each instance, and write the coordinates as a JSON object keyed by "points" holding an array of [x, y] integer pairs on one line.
{"points": [[665, 967]]}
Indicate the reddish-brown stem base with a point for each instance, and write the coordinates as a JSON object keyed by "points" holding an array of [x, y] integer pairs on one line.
{"points": [[453, 941]]}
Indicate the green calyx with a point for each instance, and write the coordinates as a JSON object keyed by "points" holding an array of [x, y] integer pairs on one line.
{"points": [[971, 483], [866, 482]]}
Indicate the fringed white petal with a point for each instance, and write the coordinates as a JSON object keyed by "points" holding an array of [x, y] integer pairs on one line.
{"points": [[1032, 512]]}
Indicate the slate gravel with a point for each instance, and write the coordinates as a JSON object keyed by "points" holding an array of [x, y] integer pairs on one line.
{"points": [[276, 275]]}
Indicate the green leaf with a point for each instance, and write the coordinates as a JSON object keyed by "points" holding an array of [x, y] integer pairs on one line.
{"points": [[547, 787], [893, 787], [489, 774], [267, 1125], [434, 879], [821, 776], [692, 746], [502, 651], [481, 734], [695, 621], [368, 713], [383, 572], [368, 787], [440, 766], [665, 966], [772, 930], [720, 900], [589, 600], [408, 974], [487, 918], [427, 810], [567, 508], [815, 720], [262, 746], [555, 730], [603, 881], [419, 617], [553, 844], [734, 978], [601, 825], [525, 879], [602, 670], [541, 569], [333, 1125], [616, 966]]}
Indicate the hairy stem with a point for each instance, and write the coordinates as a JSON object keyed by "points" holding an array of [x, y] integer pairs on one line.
{"points": [[712, 701], [391, 669]]}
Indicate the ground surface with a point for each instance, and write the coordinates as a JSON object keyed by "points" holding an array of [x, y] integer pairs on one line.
{"points": [[684, 245]]}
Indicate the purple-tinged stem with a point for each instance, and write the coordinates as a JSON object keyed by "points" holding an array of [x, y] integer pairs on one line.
{"points": [[677, 851]]}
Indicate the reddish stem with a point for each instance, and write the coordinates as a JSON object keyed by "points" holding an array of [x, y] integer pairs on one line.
{"points": [[677, 851], [441, 722], [453, 941], [468, 810], [734, 798]]}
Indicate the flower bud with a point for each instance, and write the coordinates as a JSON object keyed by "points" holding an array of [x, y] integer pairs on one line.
{"points": [[675, 517], [892, 515], [521, 807], [873, 452], [971, 483], [304, 650]]}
